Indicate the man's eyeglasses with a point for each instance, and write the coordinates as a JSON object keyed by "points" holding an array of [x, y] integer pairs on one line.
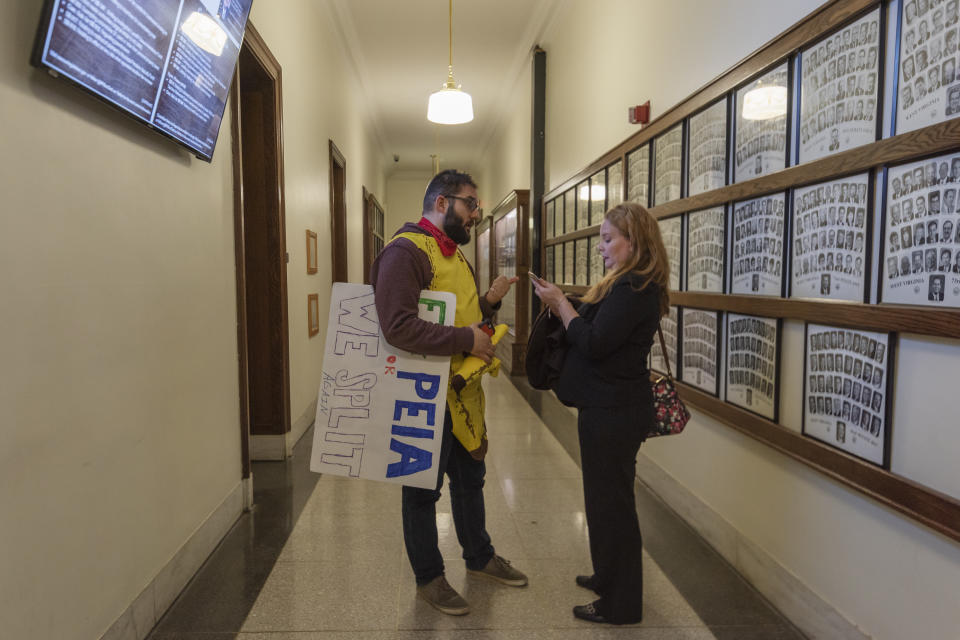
{"points": [[471, 202]]}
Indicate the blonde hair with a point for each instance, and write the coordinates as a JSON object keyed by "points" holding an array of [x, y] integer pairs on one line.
{"points": [[648, 257]]}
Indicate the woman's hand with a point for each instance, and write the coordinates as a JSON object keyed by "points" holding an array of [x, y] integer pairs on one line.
{"points": [[551, 295]]}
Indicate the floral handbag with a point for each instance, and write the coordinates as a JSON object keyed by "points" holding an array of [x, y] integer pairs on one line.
{"points": [[670, 416]]}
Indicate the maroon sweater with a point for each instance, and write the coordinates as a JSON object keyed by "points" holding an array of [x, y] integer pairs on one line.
{"points": [[398, 275]]}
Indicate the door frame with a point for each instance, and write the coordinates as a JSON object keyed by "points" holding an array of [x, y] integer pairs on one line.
{"points": [[271, 66]]}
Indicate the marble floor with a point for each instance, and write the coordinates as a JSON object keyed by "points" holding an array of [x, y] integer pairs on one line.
{"points": [[322, 558]]}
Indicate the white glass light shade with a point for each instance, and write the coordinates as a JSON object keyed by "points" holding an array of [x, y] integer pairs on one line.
{"points": [[450, 106], [599, 192], [205, 33], [765, 102]]}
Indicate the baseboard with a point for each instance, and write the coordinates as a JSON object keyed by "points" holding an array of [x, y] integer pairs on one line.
{"points": [[298, 428], [269, 447], [813, 615], [146, 610]]}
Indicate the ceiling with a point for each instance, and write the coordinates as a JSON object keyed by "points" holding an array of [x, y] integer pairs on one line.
{"points": [[400, 51]]}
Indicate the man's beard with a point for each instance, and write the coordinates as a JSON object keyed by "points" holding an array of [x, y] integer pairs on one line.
{"points": [[454, 228]]}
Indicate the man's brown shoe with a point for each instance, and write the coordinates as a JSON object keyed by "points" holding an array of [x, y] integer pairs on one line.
{"points": [[499, 569], [441, 596]]}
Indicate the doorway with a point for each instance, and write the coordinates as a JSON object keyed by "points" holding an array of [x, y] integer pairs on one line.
{"points": [[261, 258]]}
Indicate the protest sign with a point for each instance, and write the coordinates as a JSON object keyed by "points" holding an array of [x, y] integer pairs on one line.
{"points": [[379, 409]]}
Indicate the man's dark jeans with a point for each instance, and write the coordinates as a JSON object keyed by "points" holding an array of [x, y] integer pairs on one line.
{"points": [[466, 498]]}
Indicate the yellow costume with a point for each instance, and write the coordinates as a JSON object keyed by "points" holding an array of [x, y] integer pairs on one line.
{"points": [[466, 406]]}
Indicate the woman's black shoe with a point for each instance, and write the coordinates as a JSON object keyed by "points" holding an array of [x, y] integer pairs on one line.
{"points": [[586, 582], [588, 612]]}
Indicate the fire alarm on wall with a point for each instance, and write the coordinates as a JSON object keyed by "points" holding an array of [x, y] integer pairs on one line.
{"points": [[639, 114]]}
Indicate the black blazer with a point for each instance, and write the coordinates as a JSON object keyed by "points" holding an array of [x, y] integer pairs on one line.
{"points": [[606, 365]]}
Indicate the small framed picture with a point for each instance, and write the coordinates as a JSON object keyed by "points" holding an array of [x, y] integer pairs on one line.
{"points": [[753, 364], [313, 314], [920, 251], [311, 252], [846, 391], [701, 350], [670, 326]]}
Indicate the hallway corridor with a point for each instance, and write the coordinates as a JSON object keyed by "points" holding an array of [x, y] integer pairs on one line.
{"points": [[321, 558]]}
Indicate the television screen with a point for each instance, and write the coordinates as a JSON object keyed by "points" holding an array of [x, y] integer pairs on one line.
{"points": [[168, 63]]}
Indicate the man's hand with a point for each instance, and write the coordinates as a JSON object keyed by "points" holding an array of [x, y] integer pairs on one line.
{"points": [[499, 288], [482, 346]]}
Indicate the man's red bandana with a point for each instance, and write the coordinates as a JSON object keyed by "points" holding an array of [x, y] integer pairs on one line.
{"points": [[447, 246]]}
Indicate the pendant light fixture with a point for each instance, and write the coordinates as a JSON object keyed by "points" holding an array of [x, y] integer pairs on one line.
{"points": [[450, 105], [764, 102]]}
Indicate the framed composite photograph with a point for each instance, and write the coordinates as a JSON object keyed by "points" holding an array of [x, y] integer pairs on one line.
{"points": [[671, 229], [614, 186], [581, 249], [761, 128], [596, 260], [549, 218], [598, 196], [583, 205], [757, 256], [830, 237], [707, 153], [706, 242], [638, 175], [569, 211], [840, 96], [928, 85], [921, 233], [753, 364], [670, 326], [701, 350], [847, 389], [668, 165]]}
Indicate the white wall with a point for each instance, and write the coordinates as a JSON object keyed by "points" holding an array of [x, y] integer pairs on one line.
{"points": [[119, 381], [883, 572], [505, 161], [404, 199], [322, 101]]}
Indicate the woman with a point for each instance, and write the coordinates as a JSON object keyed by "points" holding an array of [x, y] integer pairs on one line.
{"points": [[605, 376]]}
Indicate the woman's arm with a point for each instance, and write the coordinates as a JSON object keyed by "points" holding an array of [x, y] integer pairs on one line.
{"points": [[617, 317]]}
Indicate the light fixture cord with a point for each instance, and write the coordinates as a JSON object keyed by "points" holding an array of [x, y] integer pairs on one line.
{"points": [[451, 34]]}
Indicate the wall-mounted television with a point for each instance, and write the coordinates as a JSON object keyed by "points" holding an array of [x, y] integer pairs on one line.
{"points": [[167, 63]]}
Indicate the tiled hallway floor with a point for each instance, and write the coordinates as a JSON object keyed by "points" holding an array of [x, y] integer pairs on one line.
{"points": [[321, 558]]}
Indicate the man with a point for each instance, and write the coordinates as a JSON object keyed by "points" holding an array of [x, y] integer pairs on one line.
{"points": [[834, 140], [936, 289], [421, 256]]}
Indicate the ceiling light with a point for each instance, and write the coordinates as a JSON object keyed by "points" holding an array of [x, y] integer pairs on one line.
{"points": [[765, 102], [598, 190], [450, 105], [205, 33]]}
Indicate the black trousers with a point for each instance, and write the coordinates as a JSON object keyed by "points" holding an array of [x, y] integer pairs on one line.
{"points": [[610, 438]]}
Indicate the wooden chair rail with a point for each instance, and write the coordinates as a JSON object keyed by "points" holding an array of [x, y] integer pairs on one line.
{"points": [[935, 510]]}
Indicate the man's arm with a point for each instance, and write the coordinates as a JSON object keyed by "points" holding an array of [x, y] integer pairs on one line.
{"points": [[400, 274]]}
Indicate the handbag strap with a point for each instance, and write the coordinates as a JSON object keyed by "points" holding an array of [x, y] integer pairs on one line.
{"points": [[663, 347]]}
